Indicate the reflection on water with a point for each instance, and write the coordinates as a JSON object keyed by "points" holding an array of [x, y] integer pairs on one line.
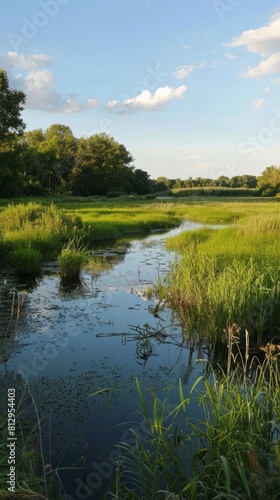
{"points": [[101, 334]]}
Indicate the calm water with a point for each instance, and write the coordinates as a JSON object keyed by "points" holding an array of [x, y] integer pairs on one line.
{"points": [[69, 344]]}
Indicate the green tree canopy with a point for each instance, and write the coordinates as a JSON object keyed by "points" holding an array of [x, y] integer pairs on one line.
{"points": [[50, 156], [101, 165], [11, 106], [271, 176], [11, 131]]}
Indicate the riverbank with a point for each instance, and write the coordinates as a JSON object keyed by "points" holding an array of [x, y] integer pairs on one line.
{"points": [[228, 276]]}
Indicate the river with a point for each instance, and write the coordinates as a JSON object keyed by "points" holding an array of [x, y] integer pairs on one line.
{"points": [[71, 343]]}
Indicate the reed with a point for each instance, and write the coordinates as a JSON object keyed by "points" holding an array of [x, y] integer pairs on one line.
{"points": [[232, 451], [35, 478], [72, 259], [227, 274], [11, 307]]}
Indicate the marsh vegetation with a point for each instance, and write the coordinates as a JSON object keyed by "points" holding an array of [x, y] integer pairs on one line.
{"points": [[224, 287]]}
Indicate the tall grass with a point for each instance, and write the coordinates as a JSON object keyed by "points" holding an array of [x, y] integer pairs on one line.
{"points": [[11, 308], [228, 274], [33, 226], [232, 451], [35, 477], [72, 259]]}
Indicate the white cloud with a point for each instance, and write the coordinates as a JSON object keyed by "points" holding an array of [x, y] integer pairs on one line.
{"points": [[194, 157], [266, 67], [275, 80], [230, 56], [39, 87], [30, 62], [257, 104], [38, 83], [184, 71], [199, 162], [147, 101], [264, 41], [267, 89]]}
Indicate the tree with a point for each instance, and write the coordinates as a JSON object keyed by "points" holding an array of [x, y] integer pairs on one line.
{"points": [[50, 156], [11, 131], [101, 165], [11, 106], [142, 183], [270, 179], [61, 146]]}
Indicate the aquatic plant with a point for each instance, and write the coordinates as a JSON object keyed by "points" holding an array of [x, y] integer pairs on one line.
{"points": [[11, 309], [35, 478], [72, 259], [232, 451]]}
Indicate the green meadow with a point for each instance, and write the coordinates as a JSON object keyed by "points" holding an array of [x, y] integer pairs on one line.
{"points": [[45, 227]]}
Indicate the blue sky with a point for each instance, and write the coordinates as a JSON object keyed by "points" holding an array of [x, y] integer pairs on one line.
{"points": [[190, 87]]}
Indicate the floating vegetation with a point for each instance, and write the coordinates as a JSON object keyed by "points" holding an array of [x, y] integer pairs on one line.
{"points": [[145, 337]]}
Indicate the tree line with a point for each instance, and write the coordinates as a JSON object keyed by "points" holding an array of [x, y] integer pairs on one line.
{"points": [[53, 161], [268, 183]]}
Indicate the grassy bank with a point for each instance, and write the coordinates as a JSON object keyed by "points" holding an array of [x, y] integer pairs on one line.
{"points": [[228, 275], [31, 233], [116, 220]]}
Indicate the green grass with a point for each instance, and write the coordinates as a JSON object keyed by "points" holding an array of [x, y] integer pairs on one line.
{"points": [[115, 220], [228, 274], [72, 259], [34, 228], [231, 452], [46, 227]]}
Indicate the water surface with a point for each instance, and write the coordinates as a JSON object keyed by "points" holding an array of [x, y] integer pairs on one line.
{"points": [[71, 343]]}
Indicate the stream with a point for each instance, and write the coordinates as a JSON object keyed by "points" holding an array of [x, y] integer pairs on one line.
{"points": [[71, 343]]}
